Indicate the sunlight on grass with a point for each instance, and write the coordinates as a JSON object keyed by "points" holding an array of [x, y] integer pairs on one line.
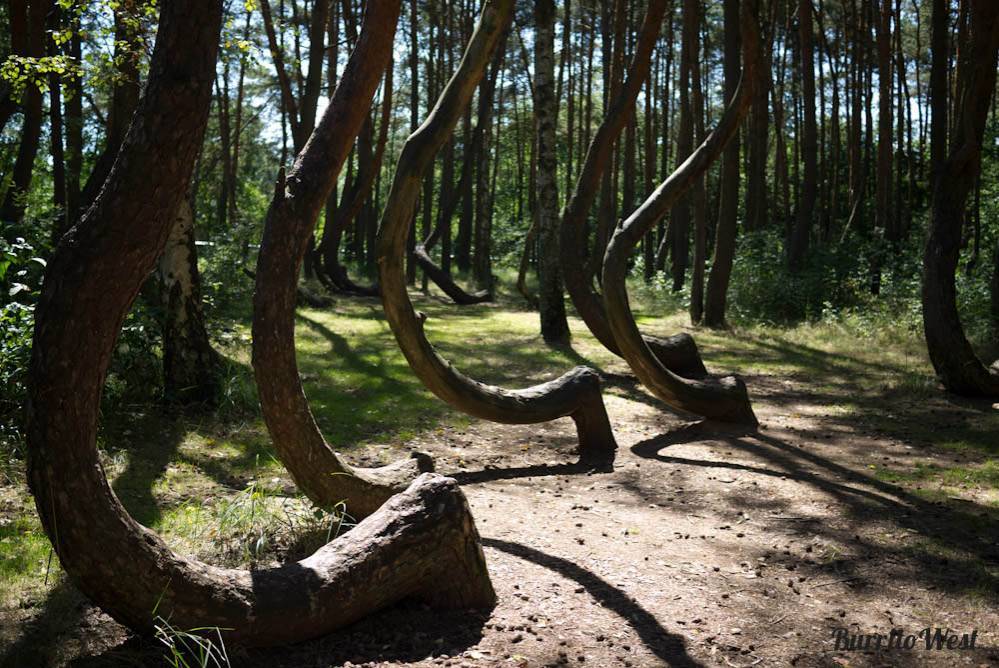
{"points": [[24, 559]]}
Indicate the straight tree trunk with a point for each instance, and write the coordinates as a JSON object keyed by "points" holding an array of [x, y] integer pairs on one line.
{"points": [[56, 150], [679, 231], [74, 129], [33, 21], [698, 196], [728, 208], [190, 364], [551, 302], [809, 149], [884, 218], [757, 144]]}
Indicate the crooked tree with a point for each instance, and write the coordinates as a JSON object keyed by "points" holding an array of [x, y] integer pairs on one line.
{"points": [[575, 394], [298, 198], [954, 176], [721, 398], [422, 544]]}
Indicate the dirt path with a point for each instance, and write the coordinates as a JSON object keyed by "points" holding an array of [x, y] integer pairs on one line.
{"points": [[702, 547]]}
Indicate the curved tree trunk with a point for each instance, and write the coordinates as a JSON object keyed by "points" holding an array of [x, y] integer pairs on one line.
{"points": [[955, 361], [316, 468], [420, 540], [725, 398], [577, 393], [350, 208], [678, 352], [190, 364], [470, 168]]}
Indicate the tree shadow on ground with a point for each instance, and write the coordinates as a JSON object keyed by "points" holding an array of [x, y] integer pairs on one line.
{"points": [[531, 471], [669, 647], [968, 528]]}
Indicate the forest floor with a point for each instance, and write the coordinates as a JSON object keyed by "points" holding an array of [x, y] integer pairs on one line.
{"points": [[868, 500]]}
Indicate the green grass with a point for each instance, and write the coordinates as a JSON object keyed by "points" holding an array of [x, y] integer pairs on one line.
{"points": [[24, 559]]}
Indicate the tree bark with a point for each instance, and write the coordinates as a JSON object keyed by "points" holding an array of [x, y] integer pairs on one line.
{"points": [[679, 228], [190, 364], [124, 97], [577, 393], [809, 150], [728, 207], [725, 398], [757, 204], [554, 326], [422, 544], [313, 464], [954, 360], [56, 147]]}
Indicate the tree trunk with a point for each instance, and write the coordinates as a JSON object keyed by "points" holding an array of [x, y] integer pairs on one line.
{"points": [[576, 394], [420, 540], [12, 209], [725, 398], [290, 221], [956, 364], [809, 149], [678, 352], [482, 266], [62, 222], [74, 129], [757, 205], [728, 207], [190, 365], [679, 228], [554, 327]]}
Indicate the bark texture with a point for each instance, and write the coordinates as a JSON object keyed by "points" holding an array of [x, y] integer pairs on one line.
{"points": [[190, 364], [725, 398], [956, 363], [728, 208], [679, 352], [551, 302], [298, 198], [809, 149], [422, 544], [577, 393]]}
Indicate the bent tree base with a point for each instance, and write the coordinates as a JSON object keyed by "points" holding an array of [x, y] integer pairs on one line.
{"points": [[678, 353], [421, 544], [291, 218], [576, 394], [443, 280], [723, 399]]}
